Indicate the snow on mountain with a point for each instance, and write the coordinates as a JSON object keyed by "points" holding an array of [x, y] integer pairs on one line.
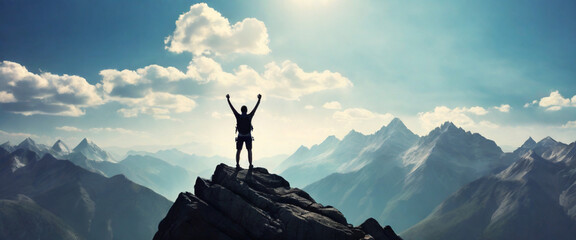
{"points": [[29, 144], [548, 148], [409, 176], [534, 198], [91, 151], [351, 153], [17, 159], [59, 149], [7, 146]]}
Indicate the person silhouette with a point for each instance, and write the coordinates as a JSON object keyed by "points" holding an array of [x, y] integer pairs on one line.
{"points": [[244, 129]]}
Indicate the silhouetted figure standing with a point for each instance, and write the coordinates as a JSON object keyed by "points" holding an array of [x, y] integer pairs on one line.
{"points": [[244, 129]]}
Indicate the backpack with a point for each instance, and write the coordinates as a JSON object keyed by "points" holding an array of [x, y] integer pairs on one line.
{"points": [[244, 124]]}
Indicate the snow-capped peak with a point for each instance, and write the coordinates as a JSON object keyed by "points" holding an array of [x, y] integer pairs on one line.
{"points": [[548, 142], [91, 151], [60, 148], [28, 142]]}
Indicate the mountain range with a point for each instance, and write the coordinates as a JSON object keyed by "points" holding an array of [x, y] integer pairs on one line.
{"points": [[534, 198], [448, 184], [404, 184], [47, 198], [145, 169], [353, 152]]}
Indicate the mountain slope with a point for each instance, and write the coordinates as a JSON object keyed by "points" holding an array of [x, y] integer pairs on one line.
{"points": [[92, 151], [352, 153], [162, 177], [408, 181], [94, 206], [522, 202], [59, 149], [14, 214]]}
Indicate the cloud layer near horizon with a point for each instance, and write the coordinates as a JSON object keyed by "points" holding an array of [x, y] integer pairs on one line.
{"points": [[27, 93]]}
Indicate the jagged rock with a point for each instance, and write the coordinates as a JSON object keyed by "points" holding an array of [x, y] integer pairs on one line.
{"points": [[254, 204], [372, 227]]}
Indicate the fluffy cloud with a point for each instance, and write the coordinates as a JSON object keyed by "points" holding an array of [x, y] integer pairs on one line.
{"points": [[332, 105], [27, 93], [136, 84], [205, 70], [158, 104], [287, 80], [503, 108], [458, 116], [203, 30], [153, 90], [556, 101]]}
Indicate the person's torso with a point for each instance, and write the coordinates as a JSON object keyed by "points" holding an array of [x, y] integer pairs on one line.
{"points": [[244, 123]]}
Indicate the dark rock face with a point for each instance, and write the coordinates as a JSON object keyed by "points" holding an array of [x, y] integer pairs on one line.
{"points": [[254, 204]]}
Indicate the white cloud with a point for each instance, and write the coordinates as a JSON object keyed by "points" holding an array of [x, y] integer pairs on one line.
{"points": [[27, 93], [158, 104], [503, 108], [154, 90], [555, 101], [287, 80], [203, 30], [6, 97], [332, 105], [569, 124], [308, 107], [352, 114], [69, 129], [475, 110], [458, 116], [136, 84], [204, 70]]}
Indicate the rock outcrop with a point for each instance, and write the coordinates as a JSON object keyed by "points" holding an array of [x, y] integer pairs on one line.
{"points": [[254, 204]]}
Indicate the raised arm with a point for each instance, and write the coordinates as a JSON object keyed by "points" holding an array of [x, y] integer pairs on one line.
{"points": [[257, 104], [230, 104]]}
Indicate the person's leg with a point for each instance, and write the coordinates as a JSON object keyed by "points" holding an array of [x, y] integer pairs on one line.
{"points": [[238, 157], [250, 157], [249, 149], [238, 150]]}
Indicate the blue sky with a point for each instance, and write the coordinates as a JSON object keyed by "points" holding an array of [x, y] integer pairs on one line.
{"points": [[155, 72]]}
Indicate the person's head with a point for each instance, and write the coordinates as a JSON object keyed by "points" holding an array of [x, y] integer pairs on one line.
{"points": [[244, 109]]}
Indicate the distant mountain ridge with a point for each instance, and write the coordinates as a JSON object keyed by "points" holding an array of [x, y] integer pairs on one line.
{"points": [[47, 198], [159, 175], [417, 172], [351, 153], [534, 198]]}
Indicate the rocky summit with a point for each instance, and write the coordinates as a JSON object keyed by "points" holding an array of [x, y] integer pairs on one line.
{"points": [[254, 204]]}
